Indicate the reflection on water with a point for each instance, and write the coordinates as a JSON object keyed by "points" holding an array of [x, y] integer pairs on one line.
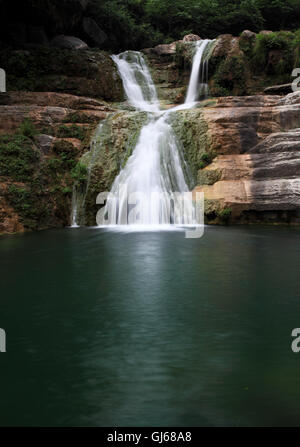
{"points": [[105, 328]]}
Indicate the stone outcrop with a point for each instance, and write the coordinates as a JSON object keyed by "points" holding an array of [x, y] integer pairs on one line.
{"points": [[238, 66], [255, 174], [81, 73], [49, 110]]}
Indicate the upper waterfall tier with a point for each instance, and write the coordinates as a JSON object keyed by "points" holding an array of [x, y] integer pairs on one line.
{"points": [[138, 84], [198, 79]]}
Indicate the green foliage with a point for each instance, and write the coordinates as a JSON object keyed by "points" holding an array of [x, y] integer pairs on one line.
{"points": [[66, 152], [20, 198], [134, 24], [224, 214], [79, 173], [27, 128], [71, 132], [279, 42], [230, 77], [205, 159], [39, 188], [18, 158]]}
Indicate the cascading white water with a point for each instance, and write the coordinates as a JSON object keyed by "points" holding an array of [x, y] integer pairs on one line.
{"points": [[199, 71], [155, 167], [154, 172], [138, 84]]}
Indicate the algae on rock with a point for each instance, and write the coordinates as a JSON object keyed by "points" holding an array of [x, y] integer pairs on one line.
{"points": [[110, 149], [191, 130]]}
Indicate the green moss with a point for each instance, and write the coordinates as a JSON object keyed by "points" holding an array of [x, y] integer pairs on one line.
{"points": [[280, 42], [230, 77], [192, 133], [66, 152], [110, 152], [224, 215], [208, 177], [27, 128], [79, 173], [246, 45], [73, 131], [18, 157], [83, 118]]}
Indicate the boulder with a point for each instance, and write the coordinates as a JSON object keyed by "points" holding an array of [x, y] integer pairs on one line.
{"points": [[291, 98], [165, 49], [256, 174], [68, 42], [44, 142], [249, 35], [223, 46], [191, 38]]}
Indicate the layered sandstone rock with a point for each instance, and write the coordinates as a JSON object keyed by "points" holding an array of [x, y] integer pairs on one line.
{"points": [[256, 172]]}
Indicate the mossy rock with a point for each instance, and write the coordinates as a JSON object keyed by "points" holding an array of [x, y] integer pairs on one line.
{"points": [[18, 157], [110, 150], [192, 134]]}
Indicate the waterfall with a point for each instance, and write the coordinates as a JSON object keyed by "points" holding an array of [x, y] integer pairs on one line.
{"points": [[155, 170], [138, 84], [74, 217], [199, 72]]}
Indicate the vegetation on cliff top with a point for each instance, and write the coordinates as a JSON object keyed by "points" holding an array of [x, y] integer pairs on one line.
{"points": [[144, 23], [134, 24]]}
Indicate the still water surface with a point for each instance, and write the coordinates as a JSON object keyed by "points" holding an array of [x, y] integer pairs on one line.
{"points": [[150, 329]]}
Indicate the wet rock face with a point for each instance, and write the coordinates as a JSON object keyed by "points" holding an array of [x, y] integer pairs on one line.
{"points": [[256, 178]]}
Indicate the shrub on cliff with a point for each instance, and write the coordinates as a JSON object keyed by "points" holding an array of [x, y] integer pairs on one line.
{"points": [[18, 158], [274, 53]]}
